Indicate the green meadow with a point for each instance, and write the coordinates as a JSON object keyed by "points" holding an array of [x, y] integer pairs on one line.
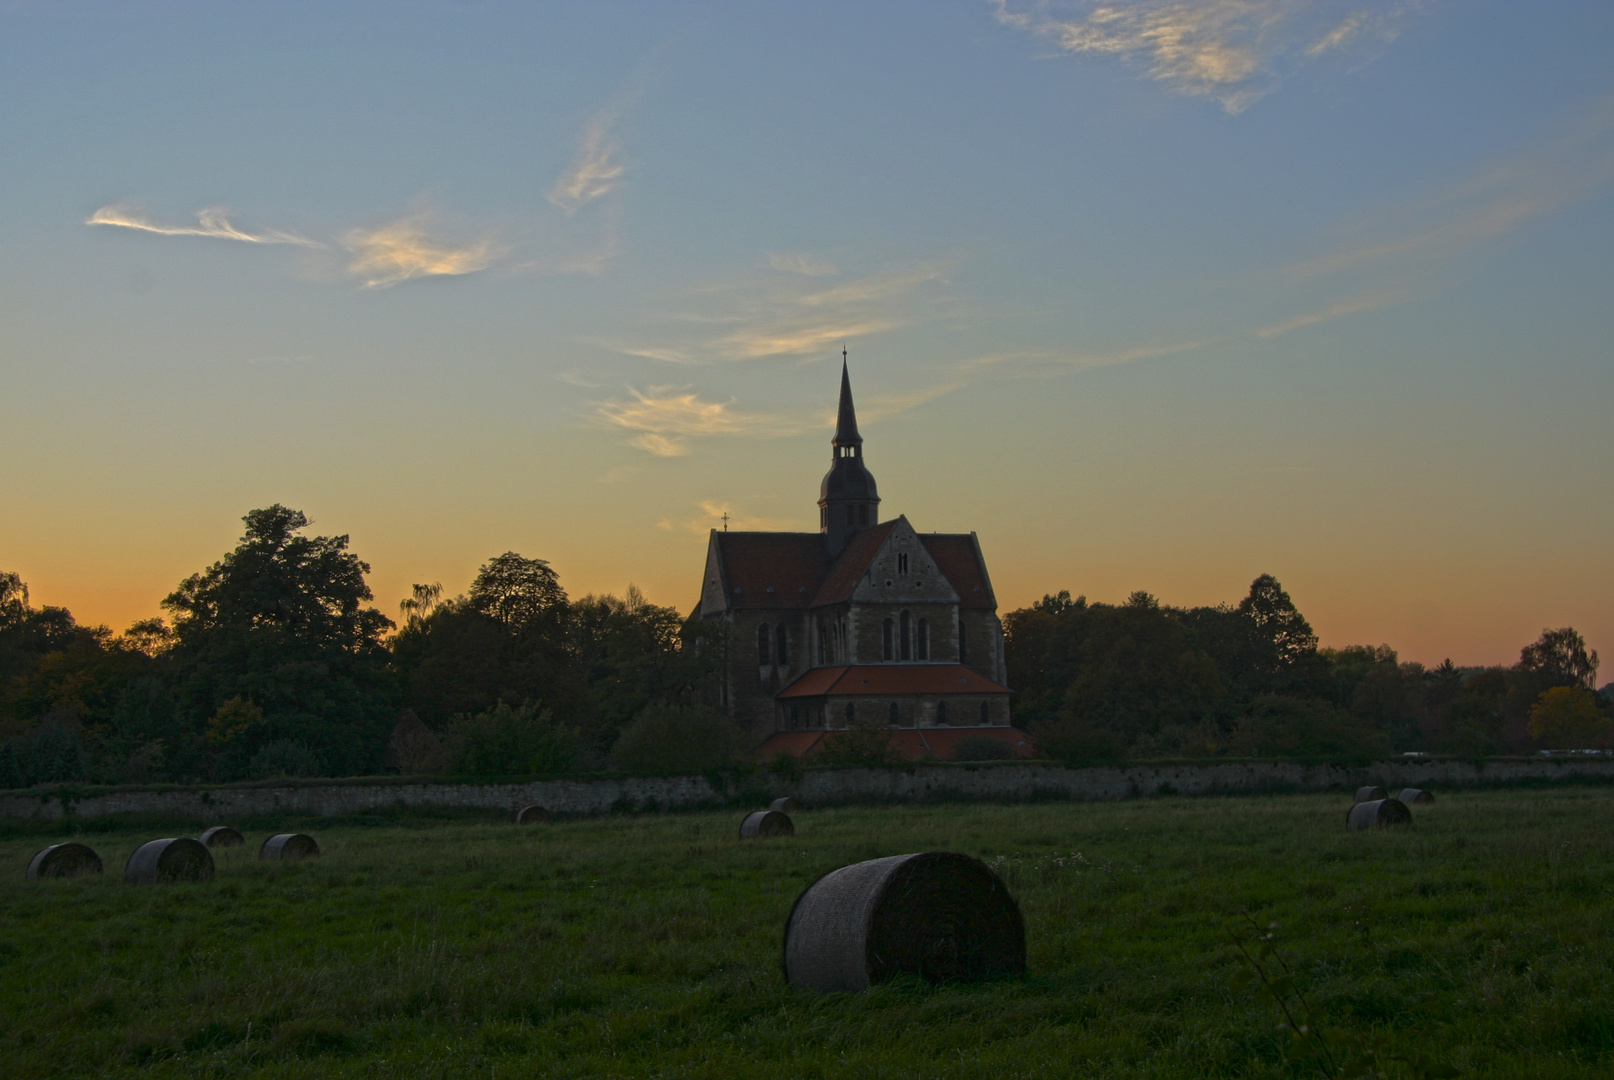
{"points": [[649, 945]]}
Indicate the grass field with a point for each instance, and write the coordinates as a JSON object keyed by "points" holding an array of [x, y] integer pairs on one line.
{"points": [[649, 945]]}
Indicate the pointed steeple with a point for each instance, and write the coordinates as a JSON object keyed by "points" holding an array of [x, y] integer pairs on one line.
{"points": [[846, 421], [848, 501]]}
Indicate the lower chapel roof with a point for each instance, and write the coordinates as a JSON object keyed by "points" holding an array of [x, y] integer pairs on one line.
{"points": [[910, 743], [859, 679], [773, 570]]}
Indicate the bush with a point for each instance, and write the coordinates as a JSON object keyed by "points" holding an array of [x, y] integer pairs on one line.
{"points": [[505, 741], [284, 758], [676, 738], [981, 748], [1078, 742]]}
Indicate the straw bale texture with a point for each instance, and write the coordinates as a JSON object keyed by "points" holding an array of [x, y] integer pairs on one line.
{"points": [[761, 823], [941, 916], [787, 805], [288, 845], [63, 860], [1378, 814], [1412, 795], [221, 836], [174, 859], [1370, 793], [532, 815]]}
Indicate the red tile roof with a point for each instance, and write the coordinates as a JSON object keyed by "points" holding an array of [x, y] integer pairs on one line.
{"points": [[960, 562], [856, 679], [791, 564], [853, 564], [910, 743]]}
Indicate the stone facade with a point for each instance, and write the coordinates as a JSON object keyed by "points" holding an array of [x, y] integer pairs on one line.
{"points": [[864, 621]]}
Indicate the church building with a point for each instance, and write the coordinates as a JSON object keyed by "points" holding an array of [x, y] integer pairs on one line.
{"points": [[865, 623]]}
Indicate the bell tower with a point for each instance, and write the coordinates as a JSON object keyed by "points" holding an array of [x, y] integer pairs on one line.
{"points": [[847, 500]]}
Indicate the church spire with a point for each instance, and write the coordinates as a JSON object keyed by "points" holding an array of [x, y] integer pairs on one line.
{"points": [[847, 500], [846, 421]]}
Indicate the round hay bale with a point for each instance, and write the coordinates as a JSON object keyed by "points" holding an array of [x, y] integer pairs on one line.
{"points": [[762, 823], [941, 916], [1377, 814], [174, 859], [1370, 793], [787, 804], [221, 836], [288, 845], [63, 860], [532, 815], [1412, 795]]}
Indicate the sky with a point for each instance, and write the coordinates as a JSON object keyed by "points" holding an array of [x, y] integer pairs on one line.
{"points": [[1159, 294]]}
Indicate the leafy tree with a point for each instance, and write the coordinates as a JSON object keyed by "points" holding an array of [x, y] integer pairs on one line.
{"points": [[523, 595], [677, 737], [1561, 656], [274, 643], [1569, 717], [509, 741]]}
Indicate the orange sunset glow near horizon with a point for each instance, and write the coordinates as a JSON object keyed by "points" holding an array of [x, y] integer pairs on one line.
{"points": [[1323, 290]]}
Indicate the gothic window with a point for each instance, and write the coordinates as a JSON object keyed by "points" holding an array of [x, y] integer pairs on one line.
{"points": [[896, 717], [885, 634], [963, 653], [986, 714], [924, 640], [907, 637], [764, 645], [851, 714], [782, 640], [902, 564], [941, 712]]}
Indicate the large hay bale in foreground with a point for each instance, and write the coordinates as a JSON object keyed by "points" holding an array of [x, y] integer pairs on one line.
{"points": [[532, 815], [1370, 793], [1410, 795], [787, 804], [763, 823], [221, 836], [63, 860], [1377, 814], [941, 916], [174, 859], [288, 845]]}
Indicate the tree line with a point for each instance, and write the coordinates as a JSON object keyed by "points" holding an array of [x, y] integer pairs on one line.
{"points": [[1099, 682], [273, 662]]}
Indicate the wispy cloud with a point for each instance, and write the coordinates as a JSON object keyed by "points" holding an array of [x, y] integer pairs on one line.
{"points": [[665, 419], [794, 262], [798, 315], [1351, 305], [211, 222], [401, 250], [1229, 50], [596, 170]]}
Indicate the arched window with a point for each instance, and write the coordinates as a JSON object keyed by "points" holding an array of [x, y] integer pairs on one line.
{"points": [[907, 637], [782, 641], [896, 717], [764, 645], [902, 564], [851, 714], [924, 640], [963, 653], [941, 712], [885, 635], [986, 714]]}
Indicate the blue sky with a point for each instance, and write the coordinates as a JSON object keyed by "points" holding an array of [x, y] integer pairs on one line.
{"points": [[1153, 295]]}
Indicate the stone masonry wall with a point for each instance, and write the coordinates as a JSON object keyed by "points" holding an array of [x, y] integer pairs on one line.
{"points": [[998, 782]]}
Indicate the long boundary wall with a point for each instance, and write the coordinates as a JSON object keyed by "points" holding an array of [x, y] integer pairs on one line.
{"points": [[997, 782]]}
